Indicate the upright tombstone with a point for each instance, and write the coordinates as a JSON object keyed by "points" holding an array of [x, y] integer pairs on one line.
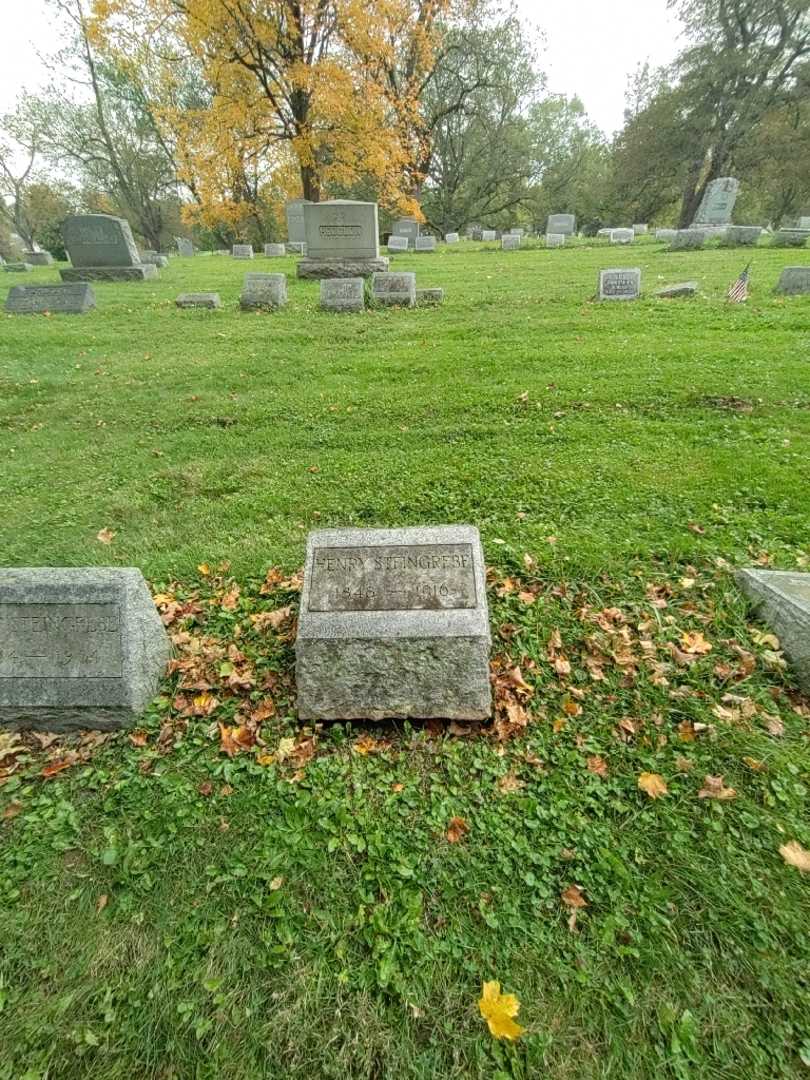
{"points": [[561, 223], [451, 238], [622, 236], [79, 648], [718, 201], [782, 599], [620, 284], [425, 243], [342, 240], [295, 247], [789, 238], [242, 251], [793, 281], [640, 230], [429, 297], [154, 258], [489, 234], [397, 244], [510, 242], [665, 234], [296, 228], [409, 228], [742, 235], [275, 251], [263, 292], [803, 223], [38, 258], [184, 247], [102, 248], [343, 294], [604, 233], [394, 289], [555, 240], [68, 299], [394, 624], [517, 231], [687, 240]]}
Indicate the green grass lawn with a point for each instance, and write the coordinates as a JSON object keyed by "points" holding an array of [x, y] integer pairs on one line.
{"points": [[298, 910]]}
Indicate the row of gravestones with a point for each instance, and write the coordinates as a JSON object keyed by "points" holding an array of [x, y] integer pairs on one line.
{"points": [[393, 623], [625, 284]]}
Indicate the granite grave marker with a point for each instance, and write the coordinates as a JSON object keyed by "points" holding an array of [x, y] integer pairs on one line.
{"points": [[68, 299], [620, 284]]}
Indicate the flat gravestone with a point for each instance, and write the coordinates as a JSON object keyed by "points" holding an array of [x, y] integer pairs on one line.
{"points": [[451, 238], [790, 238], [665, 234], [793, 281], [342, 239], [78, 648], [263, 292], [510, 242], [184, 247], [198, 300], [394, 624], [391, 289], [296, 227], [742, 235], [242, 251], [425, 243], [604, 233], [295, 247], [429, 297], [489, 234], [102, 248], [152, 258], [782, 600], [343, 294], [68, 299], [39, 258], [640, 229], [397, 244], [718, 201], [275, 251], [687, 240], [622, 236], [517, 232], [555, 240], [561, 223], [621, 284], [17, 268], [672, 292]]}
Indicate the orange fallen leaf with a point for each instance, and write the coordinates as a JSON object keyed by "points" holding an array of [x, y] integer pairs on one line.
{"points": [[276, 883], [795, 855], [12, 810], [713, 788], [58, 766], [139, 738], [652, 784], [694, 643], [499, 1010], [102, 902], [366, 744], [235, 739], [510, 783], [597, 765], [572, 897], [457, 829], [105, 536]]}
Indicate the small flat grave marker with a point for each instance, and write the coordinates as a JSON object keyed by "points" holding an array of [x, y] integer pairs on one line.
{"points": [[510, 242], [39, 258], [343, 294], [620, 284], [622, 236], [672, 292], [793, 281], [275, 251], [198, 300], [425, 243], [782, 599], [489, 234], [451, 238], [242, 251], [555, 240], [68, 299], [263, 292], [687, 240], [397, 244], [429, 297], [392, 289]]}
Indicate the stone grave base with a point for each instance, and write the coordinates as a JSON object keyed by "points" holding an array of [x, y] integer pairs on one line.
{"points": [[146, 272], [318, 269]]}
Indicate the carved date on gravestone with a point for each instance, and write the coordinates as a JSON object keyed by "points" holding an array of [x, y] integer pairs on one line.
{"points": [[60, 641], [421, 577]]}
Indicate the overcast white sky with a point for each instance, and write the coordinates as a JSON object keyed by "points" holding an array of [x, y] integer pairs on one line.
{"points": [[592, 46]]}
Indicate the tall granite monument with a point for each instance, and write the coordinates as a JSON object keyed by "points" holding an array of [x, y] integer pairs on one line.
{"points": [[342, 240], [718, 201], [102, 248]]}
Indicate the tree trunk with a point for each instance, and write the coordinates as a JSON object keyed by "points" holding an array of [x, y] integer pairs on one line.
{"points": [[310, 183]]}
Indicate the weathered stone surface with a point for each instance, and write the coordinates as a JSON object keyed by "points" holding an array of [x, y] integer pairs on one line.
{"points": [[409, 228], [742, 235], [17, 268], [683, 288], [98, 240], [296, 247], [517, 231], [803, 223], [429, 297], [38, 258], [425, 243], [566, 224], [78, 648], [717, 203], [782, 599], [242, 251], [510, 242], [317, 269], [640, 229], [620, 284], [666, 234], [275, 251], [152, 258], [342, 230], [790, 238], [394, 289], [687, 240], [451, 238], [296, 227], [343, 294], [184, 247], [263, 291], [604, 233], [555, 240], [622, 236], [489, 234], [394, 623], [793, 281], [397, 244], [198, 300], [144, 272], [37, 299]]}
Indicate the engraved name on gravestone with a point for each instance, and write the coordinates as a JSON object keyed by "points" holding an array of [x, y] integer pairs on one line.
{"points": [[78, 647], [342, 240], [342, 294], [94, 240], [620, 284], [718, 201], [394, 623], [36, 299], [394, 289], [451, 238], [425, 243]]}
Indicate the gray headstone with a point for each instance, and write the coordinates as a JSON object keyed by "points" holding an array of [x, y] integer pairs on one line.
{"points": [[429, 297], [671, 292], [621, 284], [561, 223], [37, 299], [687, 240], [622, 236], [666, 234], [604, 233], [782, 600], [242, 251], [803, 223], [425, 243], [451, 238], [17, 268], [517, 232], [510, 242], [640, 230], [717, 204], [742, 235], [789, 238], [394, 288], [263, 291], [296, 247], [794, 280], [343, 294], [275, 251], [99, 240], [296, 229], [394, 624], [38, 258], [489, 234], [184, 247], [555, 240], [151, 258], [198, 300], [78, 647], [397, 244], [143, 272], [407, 227], [342, 229]]}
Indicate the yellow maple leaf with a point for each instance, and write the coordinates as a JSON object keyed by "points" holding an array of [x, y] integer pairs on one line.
{"points": [[652, 784], [795, 855], [498, 1010]]}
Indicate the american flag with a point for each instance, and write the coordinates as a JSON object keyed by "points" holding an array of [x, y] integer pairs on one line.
{"points": [[738, 293]]}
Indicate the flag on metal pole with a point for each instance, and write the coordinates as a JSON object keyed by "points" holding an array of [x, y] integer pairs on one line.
{"points": [[738, 293]]}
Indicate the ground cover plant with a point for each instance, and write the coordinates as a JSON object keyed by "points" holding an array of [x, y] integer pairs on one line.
{"points": [[223, 892]]}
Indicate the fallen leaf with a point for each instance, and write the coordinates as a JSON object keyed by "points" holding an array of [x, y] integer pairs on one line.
{"points": [[754, 764], [774, 726], [58, 766], [694, 643], [795, 855], [235, 739], [713, 788], [683, 764], [205, 788], [273, 619], [572, 897], [139, 738], [367, 744], [510, 783], [652, 784], [276, 884], [105, 536], [597, 765], [498, 1010], [102, 902], [457, 829], [12, 810], [265, 759]]}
